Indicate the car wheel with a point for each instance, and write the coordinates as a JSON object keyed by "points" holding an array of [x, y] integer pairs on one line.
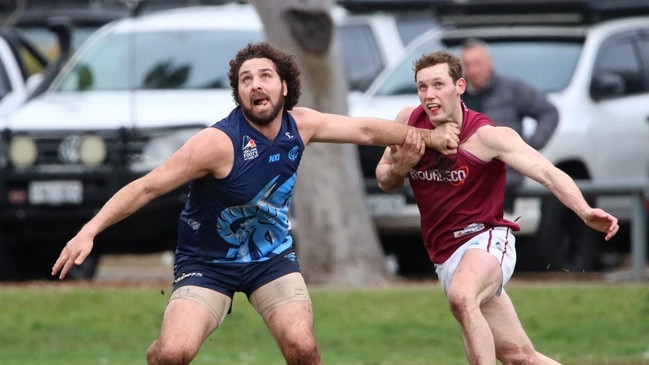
{"points": [[7, 261], [411, 256], [564, 242], [85, 271]]}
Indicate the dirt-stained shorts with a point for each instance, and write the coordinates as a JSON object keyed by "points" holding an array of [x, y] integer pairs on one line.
{"points": [[267, 284], [498, 241]]}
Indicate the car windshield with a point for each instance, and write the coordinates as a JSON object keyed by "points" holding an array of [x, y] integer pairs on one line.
{"points": [[546, 64], [47, 42], [157, 60]]}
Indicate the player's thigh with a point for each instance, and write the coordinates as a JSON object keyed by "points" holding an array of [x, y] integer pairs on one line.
{"points": [[285, 306], [191, 315], [508, 332], [478, 275]]}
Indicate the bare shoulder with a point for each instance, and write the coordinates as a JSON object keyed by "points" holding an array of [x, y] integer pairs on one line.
{"points": [[208, 151], [209, 144], [496, 135], [489, 142], [210, 136], [308, 121], [302, 114], [404, 114]]}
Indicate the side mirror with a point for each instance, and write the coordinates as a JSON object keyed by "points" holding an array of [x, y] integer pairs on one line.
{"points": [[607, 85]]}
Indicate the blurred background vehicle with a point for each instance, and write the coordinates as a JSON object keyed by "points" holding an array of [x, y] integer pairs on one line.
{"points": [[592, 58], [19, 59], [128, 97]]}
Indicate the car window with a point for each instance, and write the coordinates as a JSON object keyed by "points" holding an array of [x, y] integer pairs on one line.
{"points": [[546, 64], [619, 56], [188, 60], [47, 42], [410, 28], [400, 80], [361, 54]]}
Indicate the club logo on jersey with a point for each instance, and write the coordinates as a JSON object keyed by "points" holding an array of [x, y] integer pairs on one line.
{"points": [[293, 153], [249, 148]]}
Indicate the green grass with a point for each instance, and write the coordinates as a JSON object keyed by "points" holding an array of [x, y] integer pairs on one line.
{"points": [[577, 323]]}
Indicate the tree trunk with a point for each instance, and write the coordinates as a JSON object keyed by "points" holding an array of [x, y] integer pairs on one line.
{"points": [[337, 242]]}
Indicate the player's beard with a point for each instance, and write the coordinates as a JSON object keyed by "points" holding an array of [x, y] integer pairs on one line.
{"points": [[266, 117]]}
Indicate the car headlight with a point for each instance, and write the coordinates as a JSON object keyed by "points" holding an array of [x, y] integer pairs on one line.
{"points": [[92, 150], [159, 147], [22, 151]]}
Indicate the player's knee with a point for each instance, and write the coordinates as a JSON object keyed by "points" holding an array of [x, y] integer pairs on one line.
{"points": [[168, 354], [460, 303], [302, 353], [516, 355]]}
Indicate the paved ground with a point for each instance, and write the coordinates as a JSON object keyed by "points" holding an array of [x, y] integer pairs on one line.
{"points": [[158, 268], [153, 267]]}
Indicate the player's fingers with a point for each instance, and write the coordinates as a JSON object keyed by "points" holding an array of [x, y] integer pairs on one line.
{"points": [[60, 261], [81, 257], [612, 232], [66, 268]]}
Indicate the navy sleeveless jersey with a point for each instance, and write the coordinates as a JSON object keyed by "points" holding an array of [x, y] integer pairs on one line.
{"points": [[244, 216]]}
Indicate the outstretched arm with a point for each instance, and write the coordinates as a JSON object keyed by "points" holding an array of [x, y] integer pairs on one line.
{"points": [[507, 145], [189, 162], [323, 127]]}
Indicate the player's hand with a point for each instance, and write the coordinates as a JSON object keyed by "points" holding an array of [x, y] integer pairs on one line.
{"points": [[406, 155], [599, 220], [74, 253], [447, 138]]}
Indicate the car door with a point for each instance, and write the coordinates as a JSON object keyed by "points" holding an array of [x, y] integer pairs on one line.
{"points": [[624, 112]]}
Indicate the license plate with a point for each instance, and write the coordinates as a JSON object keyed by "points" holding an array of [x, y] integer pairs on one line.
{"points": [[55, 192], [386, 204]]}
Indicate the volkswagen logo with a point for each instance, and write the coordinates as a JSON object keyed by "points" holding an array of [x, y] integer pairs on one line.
{"points": [[69, 149]]}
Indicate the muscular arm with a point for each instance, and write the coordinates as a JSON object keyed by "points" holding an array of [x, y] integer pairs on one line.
{"points": [[323, 127], [506, 145], [208, 152]]}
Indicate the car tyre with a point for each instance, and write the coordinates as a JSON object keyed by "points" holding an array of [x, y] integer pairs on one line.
{"points": [[8, 269], [85, 271], [563, 241]]}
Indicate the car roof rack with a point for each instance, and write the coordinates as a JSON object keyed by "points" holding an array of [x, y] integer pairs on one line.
{"points": [[504, 12], [367, 6], [581, 12]]}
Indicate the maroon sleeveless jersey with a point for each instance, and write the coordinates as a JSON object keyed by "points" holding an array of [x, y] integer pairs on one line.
{"points": [[457, 195]]}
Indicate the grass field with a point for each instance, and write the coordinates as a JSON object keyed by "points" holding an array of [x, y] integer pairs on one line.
{"points": [[577, 323]]}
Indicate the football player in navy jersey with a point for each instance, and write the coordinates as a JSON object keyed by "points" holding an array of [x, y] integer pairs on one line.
{"points": [[234, 234]]}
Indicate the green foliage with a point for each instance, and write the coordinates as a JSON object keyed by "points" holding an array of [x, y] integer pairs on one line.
{"points": [[576, 323]]}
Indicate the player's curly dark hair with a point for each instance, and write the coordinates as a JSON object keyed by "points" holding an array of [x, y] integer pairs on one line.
{"points": [[285, 64], [434, 58]]}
